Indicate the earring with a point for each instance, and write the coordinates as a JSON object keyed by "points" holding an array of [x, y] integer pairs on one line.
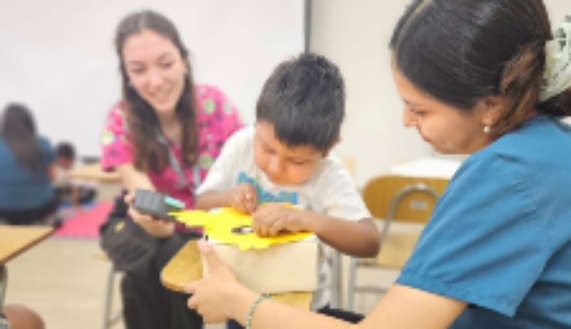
{"points": [[486, 129]]}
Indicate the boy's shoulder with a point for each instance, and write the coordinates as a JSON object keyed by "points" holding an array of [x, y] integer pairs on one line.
{"points": [[330, 170], [242, 138]]}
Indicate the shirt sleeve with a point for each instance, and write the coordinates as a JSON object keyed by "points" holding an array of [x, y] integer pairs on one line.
{"points": [[116, 144], [338, 194], [484, 244], [219, 176]]}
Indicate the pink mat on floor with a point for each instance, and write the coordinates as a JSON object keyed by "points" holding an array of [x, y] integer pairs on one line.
{"points": [[86, 225]]}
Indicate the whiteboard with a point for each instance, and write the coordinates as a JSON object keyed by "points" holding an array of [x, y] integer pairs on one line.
{"points": [[58, 56]]}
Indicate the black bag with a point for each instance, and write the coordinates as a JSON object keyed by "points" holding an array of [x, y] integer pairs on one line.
{"points": [[125, 242]]}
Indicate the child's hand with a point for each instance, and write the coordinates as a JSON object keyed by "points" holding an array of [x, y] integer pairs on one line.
{"points": [[244, 198], [273, 218], [157, 228]]}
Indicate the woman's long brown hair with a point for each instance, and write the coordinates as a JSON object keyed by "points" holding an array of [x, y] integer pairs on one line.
{"points": [[142, 119]]}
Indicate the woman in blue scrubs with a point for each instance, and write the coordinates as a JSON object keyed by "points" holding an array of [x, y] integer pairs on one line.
{"points": [[488, 79]]}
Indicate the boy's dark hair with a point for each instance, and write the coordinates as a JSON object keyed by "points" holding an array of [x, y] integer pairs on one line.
{"points": [[304, 99], [65, 150]]}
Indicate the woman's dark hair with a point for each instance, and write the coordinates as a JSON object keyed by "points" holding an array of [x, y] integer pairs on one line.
{"points": [[19, 132], [142, 119], [460, 51]]}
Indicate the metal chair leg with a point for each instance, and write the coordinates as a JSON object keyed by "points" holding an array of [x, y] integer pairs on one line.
{"points": [[336, 283], [351, 285], [108, 301]]}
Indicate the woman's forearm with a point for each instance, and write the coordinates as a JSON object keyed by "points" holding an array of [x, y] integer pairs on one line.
{"points": [[275, 315]]}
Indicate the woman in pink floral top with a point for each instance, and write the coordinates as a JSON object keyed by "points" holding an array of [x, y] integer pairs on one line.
{"points": [[217, 120], [162, 114]]}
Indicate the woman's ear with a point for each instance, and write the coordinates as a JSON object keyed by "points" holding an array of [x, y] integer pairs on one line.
{"points": [[491, 109]]}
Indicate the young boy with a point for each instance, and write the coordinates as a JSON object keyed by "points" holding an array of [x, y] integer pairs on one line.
{"points": [[287, 157], [76, 192]]}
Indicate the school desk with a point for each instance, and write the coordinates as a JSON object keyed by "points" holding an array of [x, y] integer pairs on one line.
{"points": [[93, 172], [15, 240], [109, 182]]}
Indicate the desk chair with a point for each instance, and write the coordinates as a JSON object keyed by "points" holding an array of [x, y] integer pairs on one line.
{"points": [[408, 200], [109, 319]]}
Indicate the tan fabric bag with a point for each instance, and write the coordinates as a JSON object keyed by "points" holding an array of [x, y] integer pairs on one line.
{"points": [[288, 267]]}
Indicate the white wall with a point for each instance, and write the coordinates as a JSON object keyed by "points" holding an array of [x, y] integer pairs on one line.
{"points": [[355, 35], [57, 56]]}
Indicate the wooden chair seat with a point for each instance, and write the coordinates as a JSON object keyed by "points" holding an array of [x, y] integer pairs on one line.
{"points": [[396, 250]]}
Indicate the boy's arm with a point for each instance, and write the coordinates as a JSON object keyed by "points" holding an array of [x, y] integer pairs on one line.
{"points": [[343, 221], [74, 195], [212, 200], [217, 189], [242, 198], [356, 238]]}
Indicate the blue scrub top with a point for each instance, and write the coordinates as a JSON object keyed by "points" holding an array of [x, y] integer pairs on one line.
{"points": [[500, 236], [19, 188]]}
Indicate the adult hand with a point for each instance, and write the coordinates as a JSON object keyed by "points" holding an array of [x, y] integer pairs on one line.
{"points": [[272, 218], [213, 296], [244, 198], [157, 228]]}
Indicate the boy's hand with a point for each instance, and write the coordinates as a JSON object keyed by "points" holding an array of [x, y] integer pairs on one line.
{"points": [[244, 198], [273, 218]]}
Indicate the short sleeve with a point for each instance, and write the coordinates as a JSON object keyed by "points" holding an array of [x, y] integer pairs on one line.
{"points": [[116, 144], [337, 193], [484, 244], [219, 176]]}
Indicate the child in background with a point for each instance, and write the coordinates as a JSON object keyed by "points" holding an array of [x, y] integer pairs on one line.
{"points": [[287, 158], [77, 192]]}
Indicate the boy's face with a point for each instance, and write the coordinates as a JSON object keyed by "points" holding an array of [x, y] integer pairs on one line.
{"points": [[65, 162], [281, 164]]}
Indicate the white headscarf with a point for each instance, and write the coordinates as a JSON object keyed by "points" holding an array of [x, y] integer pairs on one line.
{"points": [[557, 75]]}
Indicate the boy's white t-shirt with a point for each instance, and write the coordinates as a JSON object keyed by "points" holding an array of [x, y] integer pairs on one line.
{"points": [[330, 190]]}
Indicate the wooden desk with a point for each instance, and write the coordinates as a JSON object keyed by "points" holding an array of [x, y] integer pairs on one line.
{"points": [[109, 186], [93, 172], [186, 267], [14, 240]]}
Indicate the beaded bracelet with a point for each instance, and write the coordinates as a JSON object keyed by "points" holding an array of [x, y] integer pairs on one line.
{"points": [[253, 308]]}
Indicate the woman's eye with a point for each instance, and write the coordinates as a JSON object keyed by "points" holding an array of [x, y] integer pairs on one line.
{"points": [[137, 71]]}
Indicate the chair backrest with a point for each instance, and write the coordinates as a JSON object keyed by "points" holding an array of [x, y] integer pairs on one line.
{"points": [[414, 207]]}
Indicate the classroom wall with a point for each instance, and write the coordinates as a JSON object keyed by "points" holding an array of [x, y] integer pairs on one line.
{"points": [[58, 56], [355, 35]]}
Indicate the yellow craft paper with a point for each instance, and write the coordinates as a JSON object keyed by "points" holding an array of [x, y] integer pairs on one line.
{"points": [[219, 225]]}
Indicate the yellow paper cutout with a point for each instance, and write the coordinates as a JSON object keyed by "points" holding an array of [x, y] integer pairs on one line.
{"points": [[219, 225]]}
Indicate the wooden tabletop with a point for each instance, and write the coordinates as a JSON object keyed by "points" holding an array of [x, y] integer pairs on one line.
{"points": [[186, 267], [14, 240], [93, 172]]}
